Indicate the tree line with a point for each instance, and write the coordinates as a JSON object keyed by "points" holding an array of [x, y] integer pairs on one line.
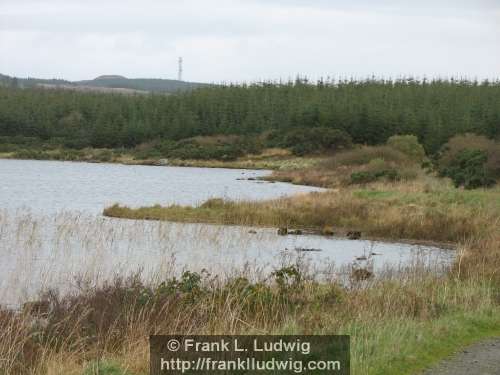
{"points": [[369, 111]]}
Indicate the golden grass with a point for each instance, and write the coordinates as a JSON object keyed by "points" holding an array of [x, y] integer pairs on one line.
{"points": [[274, 159], [399, 211], [381, 315]]}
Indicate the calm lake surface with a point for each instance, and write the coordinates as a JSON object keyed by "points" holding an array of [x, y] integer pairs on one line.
{"points": [[52, 232], [48, 186]]}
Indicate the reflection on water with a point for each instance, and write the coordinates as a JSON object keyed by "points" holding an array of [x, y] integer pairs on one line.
{"points": [[51, 250], [48, 186], [51, 230]]}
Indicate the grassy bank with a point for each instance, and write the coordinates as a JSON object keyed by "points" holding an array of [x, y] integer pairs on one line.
{"points": [[399, 211], [274, 159], [426, 317]]}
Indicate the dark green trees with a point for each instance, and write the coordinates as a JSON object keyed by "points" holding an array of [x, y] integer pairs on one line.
{"points": [[368, 111]]}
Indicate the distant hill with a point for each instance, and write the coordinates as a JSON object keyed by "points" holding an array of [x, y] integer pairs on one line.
{"points": [[144, 84], [106, 83]]}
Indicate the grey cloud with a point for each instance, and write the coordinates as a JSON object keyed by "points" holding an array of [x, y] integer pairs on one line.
{"points": [[249, 39]]}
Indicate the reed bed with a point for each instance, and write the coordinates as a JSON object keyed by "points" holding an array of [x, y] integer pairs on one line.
{"points": [[107, 327], [397, 211], [97, 320]]}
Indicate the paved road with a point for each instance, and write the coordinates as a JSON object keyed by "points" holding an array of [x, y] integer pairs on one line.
{"points": [[479, 359]]}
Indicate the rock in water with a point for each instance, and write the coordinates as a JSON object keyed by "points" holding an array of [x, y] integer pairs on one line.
{"points": [[328, 231], [283, 231], [307, 250], [354, 235]]}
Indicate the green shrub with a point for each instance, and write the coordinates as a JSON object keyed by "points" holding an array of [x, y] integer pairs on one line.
{"points": [[315, 140], [287, 277], [30, 154], [468, 169], [191, 150], [77, 143], [365, 177], [189, 283], [377, 164], [364, 155], [455, 146], [223, 148], [408, 145]]}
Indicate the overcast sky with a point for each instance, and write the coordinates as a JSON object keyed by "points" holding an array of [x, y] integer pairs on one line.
{"points": [[248, 40]]}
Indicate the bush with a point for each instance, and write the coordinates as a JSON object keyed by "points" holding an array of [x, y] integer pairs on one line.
{"points": [[468, 141], [363, 155], [224, 148], [77, 143], [31, 154], [304, 141], [191, 150], [408, 145], [478, 154], [468, 169], [365, 177]]}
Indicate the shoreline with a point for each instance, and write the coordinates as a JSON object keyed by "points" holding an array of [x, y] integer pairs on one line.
{"points": [[451, 246], [458, 304], [243, 163]]}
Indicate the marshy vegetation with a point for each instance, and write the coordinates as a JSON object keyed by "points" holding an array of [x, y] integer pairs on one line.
{"points": [[104, 329], [387, 191], [383, 184], [411, 202], [86, 319], [418, 211]]}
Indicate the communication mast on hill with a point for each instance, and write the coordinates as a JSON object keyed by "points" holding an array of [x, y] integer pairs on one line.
{"points": [[179, 77]]}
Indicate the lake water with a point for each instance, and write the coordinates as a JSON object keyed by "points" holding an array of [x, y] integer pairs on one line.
{"points": [[52, 232], [48, 186]]}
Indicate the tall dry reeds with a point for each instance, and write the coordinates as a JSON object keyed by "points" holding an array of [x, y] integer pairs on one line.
{"points": [[110, 324]]}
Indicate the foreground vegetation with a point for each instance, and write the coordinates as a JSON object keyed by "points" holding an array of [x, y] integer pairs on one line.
{"points": [[104, 330]]}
